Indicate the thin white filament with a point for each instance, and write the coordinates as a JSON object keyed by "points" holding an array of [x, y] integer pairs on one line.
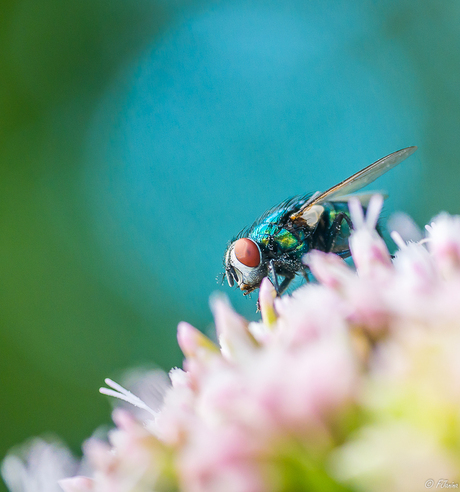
{"points": [[125, 395], [373, 211], [356, 212], [399, 241]]}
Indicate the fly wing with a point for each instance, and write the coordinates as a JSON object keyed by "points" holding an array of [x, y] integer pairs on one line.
{"points": [[357, 181], [364, 198]]}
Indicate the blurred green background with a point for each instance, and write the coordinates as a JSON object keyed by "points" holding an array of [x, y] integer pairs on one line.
{"points": [[136, 138]]}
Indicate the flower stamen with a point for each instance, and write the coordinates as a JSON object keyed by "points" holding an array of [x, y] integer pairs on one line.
{"points": [[123, 394]]}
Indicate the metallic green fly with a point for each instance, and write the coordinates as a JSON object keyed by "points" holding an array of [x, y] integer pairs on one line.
{"points": [[275, 244]]}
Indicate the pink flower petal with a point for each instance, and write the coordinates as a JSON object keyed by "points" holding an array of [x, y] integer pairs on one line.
{"points": [[77, 484]]}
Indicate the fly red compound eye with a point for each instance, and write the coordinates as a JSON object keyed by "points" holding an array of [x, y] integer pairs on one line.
{"points": [[247, 252]]}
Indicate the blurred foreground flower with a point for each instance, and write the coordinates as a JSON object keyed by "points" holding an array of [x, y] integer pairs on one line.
{"points": [[349, 384]]}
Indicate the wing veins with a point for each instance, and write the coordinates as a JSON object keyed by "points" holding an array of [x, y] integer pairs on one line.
{"points": [[358, 180]]}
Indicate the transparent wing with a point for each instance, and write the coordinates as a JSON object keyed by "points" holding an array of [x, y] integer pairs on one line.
{"points": [[364, 198], [358, 180]]}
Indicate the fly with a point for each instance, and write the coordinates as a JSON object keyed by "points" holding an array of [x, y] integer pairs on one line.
{"points": [[275, 244]]}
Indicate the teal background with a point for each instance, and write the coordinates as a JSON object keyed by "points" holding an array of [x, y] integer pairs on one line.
{"points": [[136, 138]]}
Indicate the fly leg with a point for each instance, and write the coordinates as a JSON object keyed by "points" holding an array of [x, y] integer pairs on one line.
{"points": [[284, 284], [304, 271], [271, 269], [280, 288], [334, 230]]}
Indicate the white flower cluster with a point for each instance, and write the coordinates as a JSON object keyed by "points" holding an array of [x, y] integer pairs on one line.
{"points": [[352, 383]]}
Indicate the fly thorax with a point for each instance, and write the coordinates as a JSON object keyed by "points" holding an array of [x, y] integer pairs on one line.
{"points": [[286, 241]]}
